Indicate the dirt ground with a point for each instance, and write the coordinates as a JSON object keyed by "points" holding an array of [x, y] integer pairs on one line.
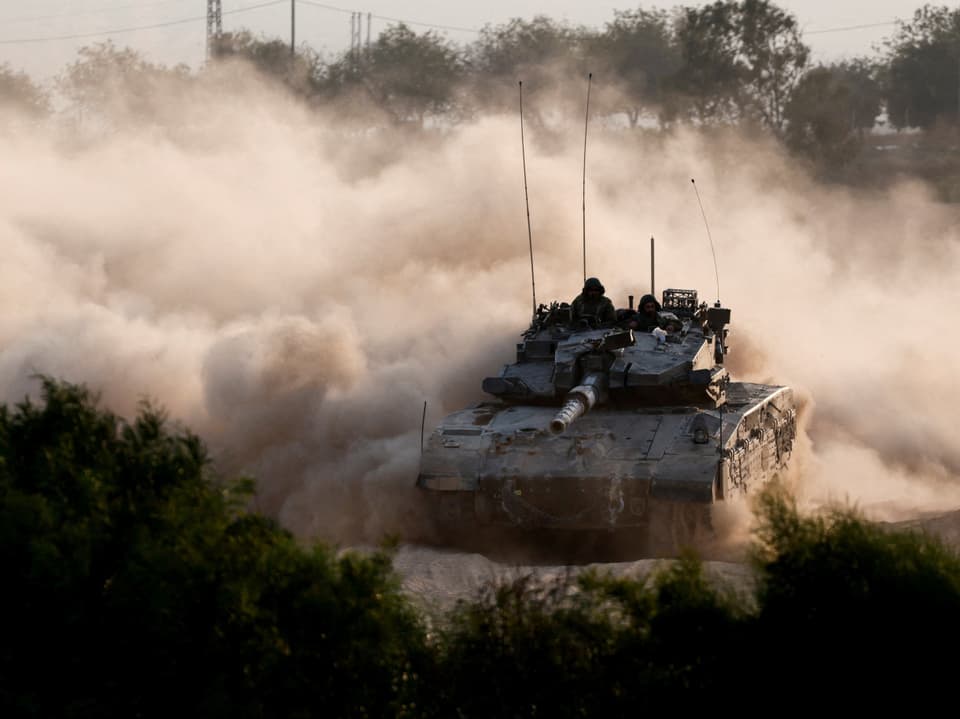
{"points": [[436, 578]]}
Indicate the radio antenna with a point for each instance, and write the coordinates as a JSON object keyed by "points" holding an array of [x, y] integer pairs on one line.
{"points": [[586, 123], [716, 272], [653, 288], [526, 195], [423, 424]]}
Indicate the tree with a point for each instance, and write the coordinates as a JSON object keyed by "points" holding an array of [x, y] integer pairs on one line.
{"points": [[741, 60], [299, 71], [19, 95], [863, 78], [408, 76], [924, 68], [544, 54], [113, 84], [709, 75], [637, 50], [820, 118], [830, 108]]}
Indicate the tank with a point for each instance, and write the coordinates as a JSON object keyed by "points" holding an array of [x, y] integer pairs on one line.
{"points": [[609, 429]]}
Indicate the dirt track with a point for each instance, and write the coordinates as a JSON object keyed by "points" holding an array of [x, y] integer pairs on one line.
{"points": [[437, 578]]}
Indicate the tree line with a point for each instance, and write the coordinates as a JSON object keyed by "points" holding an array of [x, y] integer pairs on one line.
{"points": [[137, 583], [730, 62]]}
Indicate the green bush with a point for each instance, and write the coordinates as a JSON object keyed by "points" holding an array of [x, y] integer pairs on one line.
{"points": [[853, 605], [593, 646], [138, 585]]}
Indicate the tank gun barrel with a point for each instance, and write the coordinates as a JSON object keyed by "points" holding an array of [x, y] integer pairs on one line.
{"points": [[580, 400]]}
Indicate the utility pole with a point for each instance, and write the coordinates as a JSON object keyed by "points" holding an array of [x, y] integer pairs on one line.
{"points": [[293, 26], [356, 35], [214, 25], [369, 16]]}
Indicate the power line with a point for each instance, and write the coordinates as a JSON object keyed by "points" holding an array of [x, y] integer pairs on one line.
{"points": [[851, 27], [270, 3], [435, 26], [117, 31]]}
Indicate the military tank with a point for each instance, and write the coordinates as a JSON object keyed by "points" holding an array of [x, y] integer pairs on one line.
{"points": [[601, 428]]}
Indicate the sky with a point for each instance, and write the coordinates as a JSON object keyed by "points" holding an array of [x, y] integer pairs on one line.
{"points": [[831, 27]]}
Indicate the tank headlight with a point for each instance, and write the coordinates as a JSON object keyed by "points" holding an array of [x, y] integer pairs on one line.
{"points": [[699, 430]]}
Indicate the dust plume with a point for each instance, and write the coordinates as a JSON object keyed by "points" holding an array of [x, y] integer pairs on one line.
{"points": [[294, 288]]}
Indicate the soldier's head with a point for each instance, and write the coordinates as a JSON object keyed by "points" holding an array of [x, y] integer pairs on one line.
{"points": [[671, 323], [649, 305], [593, 289]]}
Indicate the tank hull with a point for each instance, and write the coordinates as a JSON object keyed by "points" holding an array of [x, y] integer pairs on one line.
{"points": [[617, 468]]}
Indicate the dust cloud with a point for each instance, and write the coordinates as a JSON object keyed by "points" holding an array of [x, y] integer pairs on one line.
{"points": [[294, 287]]}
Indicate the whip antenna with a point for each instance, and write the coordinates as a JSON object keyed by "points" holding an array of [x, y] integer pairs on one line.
{"points": [[716, 272], [653, 288], [423, 423], [586, 123], [526, 195]]}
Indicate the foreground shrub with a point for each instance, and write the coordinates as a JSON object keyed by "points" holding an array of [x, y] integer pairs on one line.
{"points": [[853, 606], [137, 585], [596, 645]]}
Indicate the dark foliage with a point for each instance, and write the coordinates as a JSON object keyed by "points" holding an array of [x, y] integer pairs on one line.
{"points": [[829, 110], [137, 585], [924, 68], [865, 613]]}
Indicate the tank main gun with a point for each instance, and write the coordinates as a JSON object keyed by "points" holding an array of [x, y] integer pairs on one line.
{"points": [[595, 356], [580, 400]]}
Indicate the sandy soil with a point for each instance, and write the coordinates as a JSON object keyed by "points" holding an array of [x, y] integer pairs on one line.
{"points": [[436, 579]]}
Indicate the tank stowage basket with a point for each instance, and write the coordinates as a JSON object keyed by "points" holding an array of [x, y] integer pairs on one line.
{"points": [[681, 302]]}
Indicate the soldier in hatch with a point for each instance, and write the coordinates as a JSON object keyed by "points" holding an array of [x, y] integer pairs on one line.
{"points": [[593, 306], [647, 316]]}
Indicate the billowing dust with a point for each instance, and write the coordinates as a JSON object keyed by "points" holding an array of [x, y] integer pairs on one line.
{"points": [[294, 287]]}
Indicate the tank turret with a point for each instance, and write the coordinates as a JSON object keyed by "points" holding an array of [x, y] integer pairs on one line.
{"points": [[681, 363]]}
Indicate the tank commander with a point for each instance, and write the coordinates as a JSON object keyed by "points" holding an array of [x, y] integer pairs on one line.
{"points": [[592, 305], [647, 316]]}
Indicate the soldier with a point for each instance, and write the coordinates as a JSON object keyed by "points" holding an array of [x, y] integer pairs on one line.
{"points": [[647, 316], [670, 322], [592, 305]]}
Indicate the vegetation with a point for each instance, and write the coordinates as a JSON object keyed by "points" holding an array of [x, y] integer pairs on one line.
{"points": [[924, 69], [730, 62], [138, 585], [829, 111], [19, 94], [405, 75]]}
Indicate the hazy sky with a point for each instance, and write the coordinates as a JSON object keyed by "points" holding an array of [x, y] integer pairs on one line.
{"points": [[328, 30]]}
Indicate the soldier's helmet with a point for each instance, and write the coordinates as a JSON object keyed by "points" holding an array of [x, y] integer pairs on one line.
{"points": [[669, 319], [647, 299], [593, 284]]}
